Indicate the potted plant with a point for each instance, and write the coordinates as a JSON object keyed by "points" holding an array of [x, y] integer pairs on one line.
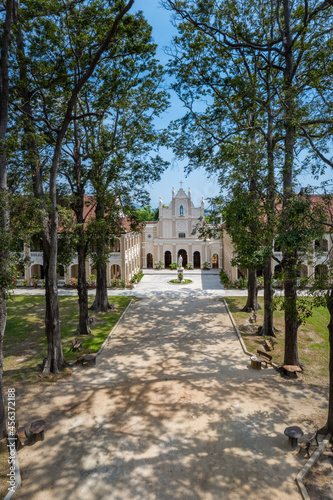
{"points": [[72, 282], [189, 265], [206, 265], [91, 280], [34, 281], [159, 265], [174, 265]]}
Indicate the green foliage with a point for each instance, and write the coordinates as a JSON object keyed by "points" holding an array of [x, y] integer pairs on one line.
{"points": [[223, 276], [174, 265], [147, 214]]}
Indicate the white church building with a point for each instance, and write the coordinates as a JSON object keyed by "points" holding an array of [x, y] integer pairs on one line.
{"points": [[171, 236]]}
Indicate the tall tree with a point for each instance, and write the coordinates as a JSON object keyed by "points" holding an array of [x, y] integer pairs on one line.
{"points": [[113, 150], [49, 52], [6, 25], [294, 33]]}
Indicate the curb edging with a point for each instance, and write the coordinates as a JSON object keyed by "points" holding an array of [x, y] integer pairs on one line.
{"points": [[240, 338], [237, 331], [113, 329], [310, 463]]}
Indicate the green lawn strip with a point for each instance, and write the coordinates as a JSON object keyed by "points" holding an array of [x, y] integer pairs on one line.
{"points": [[25, 343], [313, 342]]}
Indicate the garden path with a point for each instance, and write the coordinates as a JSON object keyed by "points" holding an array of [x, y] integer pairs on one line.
{"points": [[171, 411]]}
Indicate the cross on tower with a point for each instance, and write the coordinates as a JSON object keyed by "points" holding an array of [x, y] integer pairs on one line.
{"points": [[181, 184]]}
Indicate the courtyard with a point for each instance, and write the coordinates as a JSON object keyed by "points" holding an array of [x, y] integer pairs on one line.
{"points": [[172, 410]]}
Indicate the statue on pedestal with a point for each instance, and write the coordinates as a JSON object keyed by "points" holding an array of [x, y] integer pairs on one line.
{"points": [[180, 261]]}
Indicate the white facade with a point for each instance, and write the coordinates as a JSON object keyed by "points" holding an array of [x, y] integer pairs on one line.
{"points": [[171, 236]]}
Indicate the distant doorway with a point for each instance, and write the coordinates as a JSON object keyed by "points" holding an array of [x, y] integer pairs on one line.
{"points": [[196, 260], [38, 271], [167, 259], [215, 261], [183, 253], [115, 271], [149, 261]]}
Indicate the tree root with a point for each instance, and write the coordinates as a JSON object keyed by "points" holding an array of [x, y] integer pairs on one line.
{"points": [[265, 333]]}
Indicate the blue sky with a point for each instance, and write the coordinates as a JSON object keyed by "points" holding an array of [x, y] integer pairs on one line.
{"points": [[163, 32], [200, 185]]}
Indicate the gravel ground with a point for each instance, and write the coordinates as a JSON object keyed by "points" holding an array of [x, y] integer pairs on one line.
{"points": [[172, 410]]}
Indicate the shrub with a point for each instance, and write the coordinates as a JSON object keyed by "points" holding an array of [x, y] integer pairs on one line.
{"points": [[159, 265], [91, 280], [243, 283], [189, 265], [224, 277], [139, 275], [34, 281], [174, 265], [72, 282], [206, 265], [123, 283]]}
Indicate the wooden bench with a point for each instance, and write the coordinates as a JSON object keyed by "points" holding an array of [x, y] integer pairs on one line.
{"points": [[266, 358], [291, 370], [313, 436], [89, 359], [76, 344]]}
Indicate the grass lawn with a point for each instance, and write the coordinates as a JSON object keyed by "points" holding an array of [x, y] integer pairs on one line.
{"points": [[313, 342], [25, 345]]}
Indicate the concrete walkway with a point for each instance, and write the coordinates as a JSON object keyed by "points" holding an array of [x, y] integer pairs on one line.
{"points": [[156, 284], [171, 411]]}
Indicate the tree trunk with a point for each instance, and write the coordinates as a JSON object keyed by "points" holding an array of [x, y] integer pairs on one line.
{"points": [[55, 359], [101, 302], [268, 325], [83, 327], [252, 303], [289, 254], [267, 329], [4, 212], [329, 424]]}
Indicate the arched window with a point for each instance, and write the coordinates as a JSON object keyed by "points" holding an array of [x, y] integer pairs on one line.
{"points": [[181, 210]]}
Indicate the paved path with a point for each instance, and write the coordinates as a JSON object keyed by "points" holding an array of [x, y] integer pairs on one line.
{"points": [[156, 284], [171, 411]]}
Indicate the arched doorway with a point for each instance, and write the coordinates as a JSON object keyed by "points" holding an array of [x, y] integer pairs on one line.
{"points": [[115, 271], [74, 271], [183, 253], [321, 272], [215, 261], [196, 260], [167, 259], [37, 270], [149, 261]]}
